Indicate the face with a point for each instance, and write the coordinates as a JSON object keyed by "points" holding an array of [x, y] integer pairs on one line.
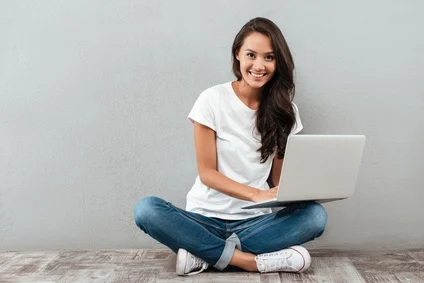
{"points": [[257, 60]]}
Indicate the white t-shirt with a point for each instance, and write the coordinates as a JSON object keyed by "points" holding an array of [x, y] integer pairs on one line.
{"points": [[237, 141]]}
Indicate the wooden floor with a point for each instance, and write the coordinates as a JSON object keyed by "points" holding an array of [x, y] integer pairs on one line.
{"points": [[159, 266]]}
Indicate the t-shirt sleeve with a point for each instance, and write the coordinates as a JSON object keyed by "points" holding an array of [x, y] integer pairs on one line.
{"points": [[297, 127], [203, 111]]}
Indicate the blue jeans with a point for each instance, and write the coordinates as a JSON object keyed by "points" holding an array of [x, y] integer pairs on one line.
{"points": [[214, 240]]}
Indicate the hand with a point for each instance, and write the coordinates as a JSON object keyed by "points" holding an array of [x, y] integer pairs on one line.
{"points": [[265, 195]]}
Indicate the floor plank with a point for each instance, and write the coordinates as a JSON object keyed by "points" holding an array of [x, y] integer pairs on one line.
{"points": [[410, 277], [379, 277], [270, 278], [336, 269], [307, 276], [158, 265]]}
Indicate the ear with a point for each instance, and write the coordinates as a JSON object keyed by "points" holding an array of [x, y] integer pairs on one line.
{"points": [[237, 55]]}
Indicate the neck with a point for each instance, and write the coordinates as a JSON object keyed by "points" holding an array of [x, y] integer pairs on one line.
{"points": [[250, 96]]}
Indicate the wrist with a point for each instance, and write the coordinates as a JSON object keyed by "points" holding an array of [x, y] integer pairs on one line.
{"points": [[253, 194]]}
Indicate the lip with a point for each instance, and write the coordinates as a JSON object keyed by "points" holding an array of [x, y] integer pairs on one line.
{"points": [[263, 75]]}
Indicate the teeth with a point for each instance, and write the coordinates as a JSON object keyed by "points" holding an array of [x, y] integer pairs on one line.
{"points": [[257, 75]]}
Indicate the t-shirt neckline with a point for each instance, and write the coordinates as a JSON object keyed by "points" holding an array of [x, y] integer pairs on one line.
{"points": [[233, 92]]}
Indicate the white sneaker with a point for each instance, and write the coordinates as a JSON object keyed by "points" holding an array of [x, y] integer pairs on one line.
{"points": [[293, 259], [188, 264]]}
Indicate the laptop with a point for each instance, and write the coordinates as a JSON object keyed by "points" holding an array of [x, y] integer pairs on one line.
{"points": [[319, 168]]}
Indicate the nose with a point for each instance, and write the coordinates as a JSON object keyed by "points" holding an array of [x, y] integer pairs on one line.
{"points": [[258, 65]]}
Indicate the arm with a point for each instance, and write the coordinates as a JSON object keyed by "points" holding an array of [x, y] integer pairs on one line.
{"points": [[277, 165], [205, 142]]}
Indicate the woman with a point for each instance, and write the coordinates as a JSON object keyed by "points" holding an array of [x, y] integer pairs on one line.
{"points": [[240, 131]]}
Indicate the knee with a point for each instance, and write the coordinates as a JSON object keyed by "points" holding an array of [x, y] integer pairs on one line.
{"points": [[318, 217], [144, 210]]}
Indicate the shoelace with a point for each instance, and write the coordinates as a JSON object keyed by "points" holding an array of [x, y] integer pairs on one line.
{"points": [[198, 264], [273, 264]]}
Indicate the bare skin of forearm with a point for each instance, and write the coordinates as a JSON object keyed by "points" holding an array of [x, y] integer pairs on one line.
{"points": [[225, 185], [276, 180], [276, 171]]}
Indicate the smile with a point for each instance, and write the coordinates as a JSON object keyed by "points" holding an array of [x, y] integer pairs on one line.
{"points": [[257, 75]]}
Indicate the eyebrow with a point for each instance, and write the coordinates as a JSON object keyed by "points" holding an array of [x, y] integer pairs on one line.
{"points": [[250, 50]]}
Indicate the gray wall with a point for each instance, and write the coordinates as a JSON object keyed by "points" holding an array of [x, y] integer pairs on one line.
{"points": [[94, 97]]}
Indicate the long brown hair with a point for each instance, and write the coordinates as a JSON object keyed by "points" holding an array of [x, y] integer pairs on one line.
{"points": [[275, 116]]}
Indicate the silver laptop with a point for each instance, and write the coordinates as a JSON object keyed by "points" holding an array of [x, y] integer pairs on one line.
{"points": [[319, 168]]}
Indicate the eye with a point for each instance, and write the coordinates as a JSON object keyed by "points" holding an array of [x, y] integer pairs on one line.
{"points": [[270, 58], [250, 55]]}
